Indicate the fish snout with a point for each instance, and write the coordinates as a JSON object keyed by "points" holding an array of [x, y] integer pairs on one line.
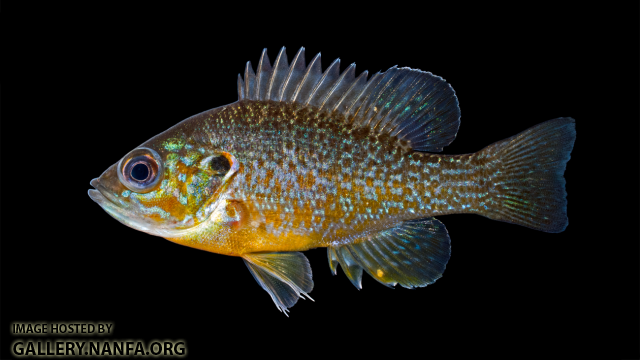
{"points": [[108, 185], [94, 182], [98, 193]]}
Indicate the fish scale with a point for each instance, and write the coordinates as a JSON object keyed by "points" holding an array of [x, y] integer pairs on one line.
{"points": [[294, 185], [307, 159]]}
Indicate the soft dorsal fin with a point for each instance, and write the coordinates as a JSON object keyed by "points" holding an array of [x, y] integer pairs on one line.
{"points": [[411, 104], [286, 276], [412, 254]]}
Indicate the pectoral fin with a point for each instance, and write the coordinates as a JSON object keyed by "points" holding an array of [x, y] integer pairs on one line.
{"points": [[284, 275], [412, 254]]}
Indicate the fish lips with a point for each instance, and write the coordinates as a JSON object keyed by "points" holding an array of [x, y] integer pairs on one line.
{"points": [[109, 204], [101, 195]]}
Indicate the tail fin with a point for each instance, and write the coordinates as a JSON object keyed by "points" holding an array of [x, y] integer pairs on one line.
{"points": [[528, 186]]}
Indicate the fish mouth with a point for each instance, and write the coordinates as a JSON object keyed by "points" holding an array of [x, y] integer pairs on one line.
{"points": [[99, 194], [118, 211], [106, 201], [109, 204]]}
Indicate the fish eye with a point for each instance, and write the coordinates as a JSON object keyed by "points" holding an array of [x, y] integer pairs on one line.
{"points": [[140, 170], [220, 165]]}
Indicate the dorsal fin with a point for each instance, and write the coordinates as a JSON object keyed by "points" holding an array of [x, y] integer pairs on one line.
{"points": [[410, 104]]}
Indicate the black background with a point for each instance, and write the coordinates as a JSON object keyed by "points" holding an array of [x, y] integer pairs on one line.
{"points": [[88, 84]]}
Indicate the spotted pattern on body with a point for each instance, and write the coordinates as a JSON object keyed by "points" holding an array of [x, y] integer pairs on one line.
{"points": [[309, 179]]}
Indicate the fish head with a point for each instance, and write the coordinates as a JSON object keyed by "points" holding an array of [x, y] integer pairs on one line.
{"points": [[165, 186]]}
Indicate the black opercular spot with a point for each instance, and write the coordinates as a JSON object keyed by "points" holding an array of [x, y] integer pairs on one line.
{"points": [[220, 164], [140, 172]]}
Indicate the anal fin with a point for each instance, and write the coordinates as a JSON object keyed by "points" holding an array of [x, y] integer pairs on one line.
{"points": [[350, 266], [412, 254], [341, 255], [286, 276]]}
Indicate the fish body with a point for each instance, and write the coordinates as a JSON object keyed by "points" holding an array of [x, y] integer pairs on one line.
{"points": [[310, 181], [307, 159]]}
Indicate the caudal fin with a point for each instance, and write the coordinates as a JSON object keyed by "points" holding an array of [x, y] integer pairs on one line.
{"points": [[528, 186]]}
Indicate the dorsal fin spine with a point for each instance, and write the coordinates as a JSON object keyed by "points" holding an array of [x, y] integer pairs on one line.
{"points": [[256, 90], [249, 80], [351, 92], [264, 68], [333, 87], [343, 80], [321, 82], [294, 65], [240, 88], [306, 76], [279, 66]]}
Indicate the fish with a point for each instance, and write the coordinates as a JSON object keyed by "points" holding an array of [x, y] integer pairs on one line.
{"points": [[308, 159]]}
